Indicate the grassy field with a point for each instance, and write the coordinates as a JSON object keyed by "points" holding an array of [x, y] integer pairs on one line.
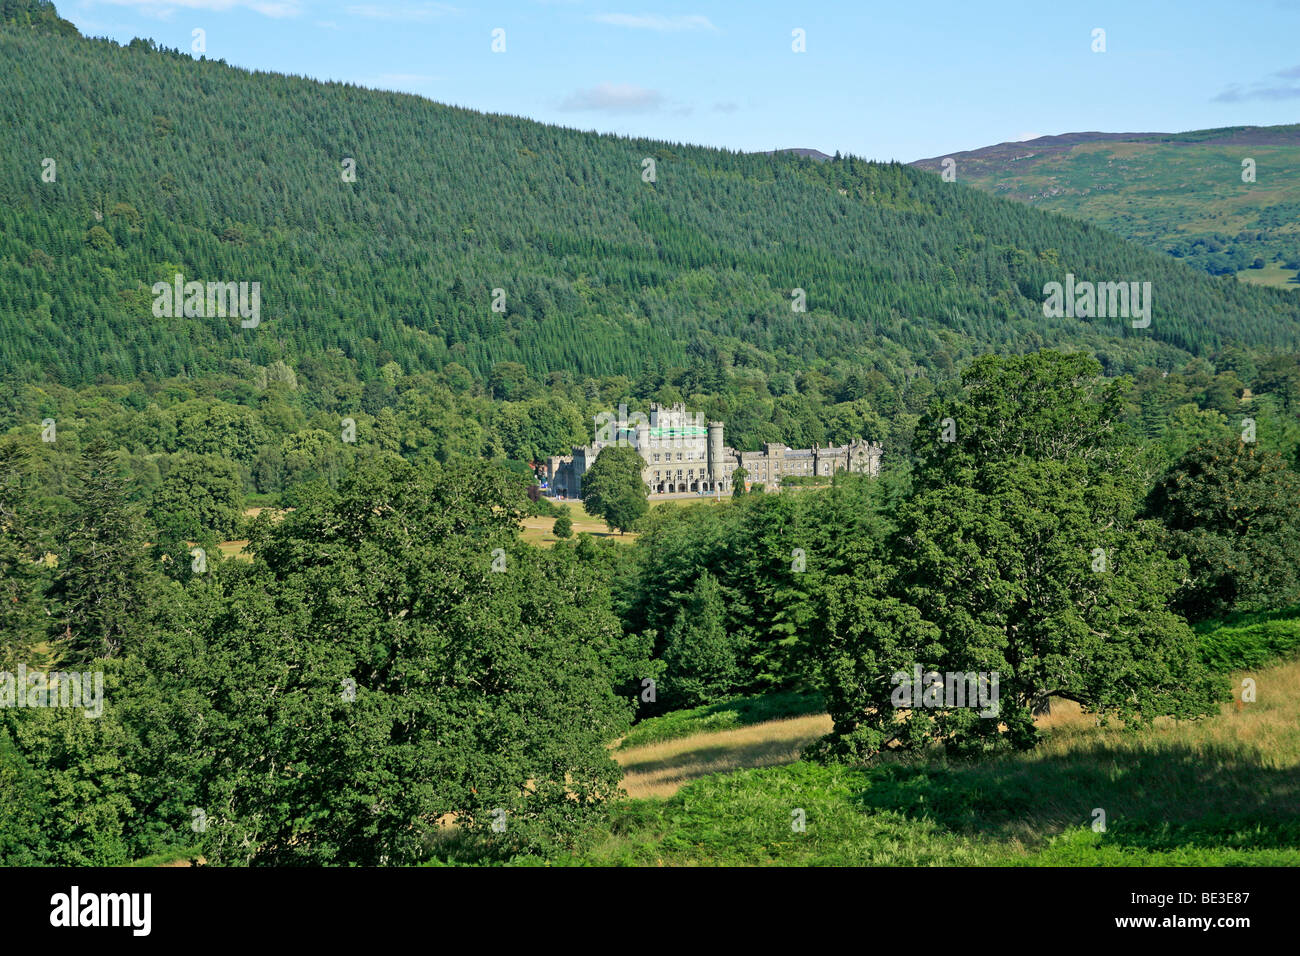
{"points": [[1222, 791], [1273, 274], [538, 530], [662, 768], [725, 715]]}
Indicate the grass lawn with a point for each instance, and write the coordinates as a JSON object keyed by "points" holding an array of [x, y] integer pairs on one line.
{"points": [[538, 530], [724, 715], [1273, 274], [1221, 791]]}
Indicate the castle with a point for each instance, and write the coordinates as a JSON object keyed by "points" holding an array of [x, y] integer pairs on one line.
{"points": [[683, 455]]}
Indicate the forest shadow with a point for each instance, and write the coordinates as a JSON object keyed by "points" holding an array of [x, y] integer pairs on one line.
{"points": [[1158, 795]]}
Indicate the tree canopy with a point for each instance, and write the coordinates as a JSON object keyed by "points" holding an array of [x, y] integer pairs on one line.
{"points": [[612, 487]]}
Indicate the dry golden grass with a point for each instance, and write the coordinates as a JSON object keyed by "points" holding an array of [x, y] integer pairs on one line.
{"points": [[1266, 728], [233, 549], [538, 530], [661, 769], [1263, 732]]}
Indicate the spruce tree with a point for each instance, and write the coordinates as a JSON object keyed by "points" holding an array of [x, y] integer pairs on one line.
{"points": [[103, 580], [700, 658], [21, 567]]}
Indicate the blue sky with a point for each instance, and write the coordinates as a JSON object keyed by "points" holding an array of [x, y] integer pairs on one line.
{"points": [[884, 80]]}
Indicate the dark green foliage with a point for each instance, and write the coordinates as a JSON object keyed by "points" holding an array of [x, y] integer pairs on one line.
{"points": [[1233, 511], [545, 508], [22, 808], [23, 573], [1017, 552], [1280, 376], [612, 278], [371, 672], [38, 16], [563, 527], [702, 661], [612, 487], [82, 768], [200, 496], [102, 590], [1247, 640], [771, 555], [529, 431]]}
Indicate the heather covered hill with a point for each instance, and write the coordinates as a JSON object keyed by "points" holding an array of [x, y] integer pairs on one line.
{"points": [[163, 166], [1182, 194]]}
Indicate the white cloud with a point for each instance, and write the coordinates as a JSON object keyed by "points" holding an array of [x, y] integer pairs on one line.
{"points": [[1268, 89], [614, 98], [653, 21]]}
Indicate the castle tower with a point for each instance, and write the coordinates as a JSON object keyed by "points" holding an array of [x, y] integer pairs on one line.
{"points": [[715, 453]]}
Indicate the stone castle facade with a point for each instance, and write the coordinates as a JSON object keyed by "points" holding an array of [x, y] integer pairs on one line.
{"points": [[683, 454]]}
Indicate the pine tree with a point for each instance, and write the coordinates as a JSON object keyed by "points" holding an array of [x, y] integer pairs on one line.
{"points": [[20, 569], [701, 657], [102, 584]]}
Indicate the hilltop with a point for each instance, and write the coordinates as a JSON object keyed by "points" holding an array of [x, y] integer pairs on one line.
{"points": [[162, 168], [802, 151], [1181, 194]]}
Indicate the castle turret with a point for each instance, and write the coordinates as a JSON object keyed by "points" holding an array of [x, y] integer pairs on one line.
{"points": [[715, 452]]}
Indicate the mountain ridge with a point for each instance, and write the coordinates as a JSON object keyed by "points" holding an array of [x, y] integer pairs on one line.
{"points": [[1252, 135], [162, 169], [1226, 201]]}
